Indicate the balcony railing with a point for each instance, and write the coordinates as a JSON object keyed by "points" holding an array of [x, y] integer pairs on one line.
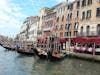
{"points": [[47, 29], [92, 33], [39, 31]]}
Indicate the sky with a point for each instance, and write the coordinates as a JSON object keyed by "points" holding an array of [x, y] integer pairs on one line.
{"points": [[14, 12]]}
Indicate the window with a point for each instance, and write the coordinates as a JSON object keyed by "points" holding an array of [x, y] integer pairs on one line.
{"points": [[69, 33], [98, 12], [58, 10], [87, 30], [83, 3], [77, 14], [61, 34], [88, 14], [57, 19], [78, 5], [82, 31], [70, 15], [89, 2], [76, 26], [56, 34], [63, 18], [69, 27], [66, 34], [66, 26], [61, 27], [75, 33], [98, 29], [76, 29], [70, 6], [56, 27], [61, 10], [83, 15]]}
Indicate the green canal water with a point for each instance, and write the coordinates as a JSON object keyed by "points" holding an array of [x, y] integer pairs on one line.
{"points": [[12, 63]]}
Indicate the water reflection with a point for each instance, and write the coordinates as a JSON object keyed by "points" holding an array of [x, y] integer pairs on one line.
{"points": [[12, 63]]}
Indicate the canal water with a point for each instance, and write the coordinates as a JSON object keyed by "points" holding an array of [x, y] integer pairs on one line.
{"points": [[12, 63]]}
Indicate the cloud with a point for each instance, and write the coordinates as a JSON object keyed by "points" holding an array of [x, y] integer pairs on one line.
{"points": [[10, 16], [13, 12]]}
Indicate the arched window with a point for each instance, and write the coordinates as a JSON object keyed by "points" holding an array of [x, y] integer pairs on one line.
{"points": [[98, 29], [63, 18], [76, 26], [87, 30], [82, 31], [57, 19]]}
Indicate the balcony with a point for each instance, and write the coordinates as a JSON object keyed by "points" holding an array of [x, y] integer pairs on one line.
{"points": [[92, 33], [47, 29], [98, 1], [39, 31]]}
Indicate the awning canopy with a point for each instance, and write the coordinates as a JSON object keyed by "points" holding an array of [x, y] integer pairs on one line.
{"points": [[42, 40], [62, 40], [95, 40], [80, 40]]}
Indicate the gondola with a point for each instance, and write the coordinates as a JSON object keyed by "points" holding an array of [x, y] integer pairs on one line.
{"points": [[6, 47], [56, 55], [42, 54], [25, 52]]}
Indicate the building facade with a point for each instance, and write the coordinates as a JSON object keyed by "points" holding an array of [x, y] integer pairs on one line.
{"points": [[33, 29], [49, 24], [89, 18], [60, 19], [68, 19], [26, 27], [43, 12]]}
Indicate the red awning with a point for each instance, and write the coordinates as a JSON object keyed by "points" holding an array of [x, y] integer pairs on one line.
{"points": [[41, 40], [80, 40], [95, 40], [62, 40]]}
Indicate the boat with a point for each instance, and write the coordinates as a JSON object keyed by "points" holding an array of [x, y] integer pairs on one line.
{"points": [[41, 48], [50, 48], [56, 52], [42, 54], [6, 47], [25, 52], [56, 56], [24, 48]]}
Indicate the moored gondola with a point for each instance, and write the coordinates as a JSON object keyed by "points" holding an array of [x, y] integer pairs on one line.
{"points": [[25, 52], [42, 54]]}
